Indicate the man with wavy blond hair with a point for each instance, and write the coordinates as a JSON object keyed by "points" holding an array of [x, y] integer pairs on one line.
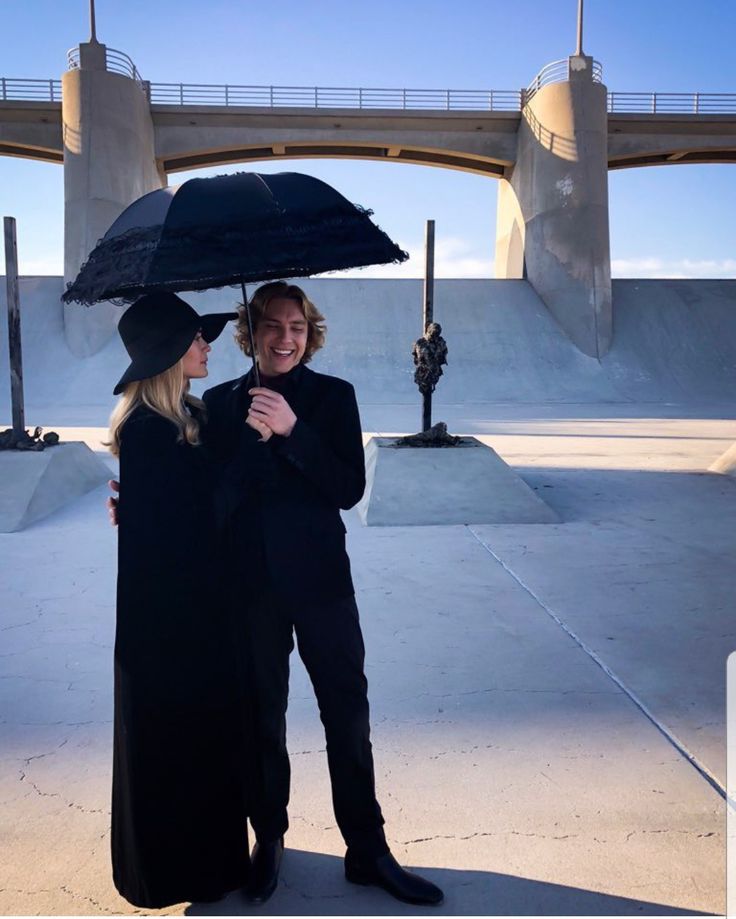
{"points": [[300, 438]]}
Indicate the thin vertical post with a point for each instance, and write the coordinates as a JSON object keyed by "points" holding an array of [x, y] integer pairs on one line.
{"points": [[251, 336], [428, 311], [579, 49], [92, 22], [16, 361]]}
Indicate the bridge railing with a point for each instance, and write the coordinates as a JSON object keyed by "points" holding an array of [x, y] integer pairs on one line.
{"points": [[29, 90], [116, 62], [324, 97], [335, 97], [672, 103], [558, 72]]}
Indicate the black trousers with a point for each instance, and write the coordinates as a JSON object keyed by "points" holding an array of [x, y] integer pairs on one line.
{"points": [[330, 644]]}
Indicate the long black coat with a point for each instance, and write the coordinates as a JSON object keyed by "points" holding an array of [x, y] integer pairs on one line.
{"points": [[178, 806], [285, 509]]}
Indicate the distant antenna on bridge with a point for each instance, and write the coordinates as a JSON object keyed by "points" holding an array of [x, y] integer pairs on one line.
{"points": [[579, 49], [92, 22]]}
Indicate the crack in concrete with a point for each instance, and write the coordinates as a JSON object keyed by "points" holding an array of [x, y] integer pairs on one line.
{"points": [[20, 625], [23, 777], [42, 794], [473, 749], [28, 893], [80, 897], [409, 842], [694, 833], [30, 759], [315, 826]]}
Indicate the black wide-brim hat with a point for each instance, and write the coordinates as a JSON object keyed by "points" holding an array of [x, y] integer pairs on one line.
{"points": [[158, 330]]}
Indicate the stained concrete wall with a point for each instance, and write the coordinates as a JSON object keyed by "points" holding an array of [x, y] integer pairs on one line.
{"points": [[674, 341], [109, 161], [555, 204]]}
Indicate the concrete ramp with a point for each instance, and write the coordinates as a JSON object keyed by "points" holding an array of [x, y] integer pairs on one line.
{"points": [[34, 485], [674, 341], [726, 462]]}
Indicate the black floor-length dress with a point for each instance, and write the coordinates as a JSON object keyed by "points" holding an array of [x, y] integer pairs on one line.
{"points": [[179, 802]]}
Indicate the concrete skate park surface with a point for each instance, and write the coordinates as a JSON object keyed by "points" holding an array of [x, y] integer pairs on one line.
{"points": [[547, 700]]}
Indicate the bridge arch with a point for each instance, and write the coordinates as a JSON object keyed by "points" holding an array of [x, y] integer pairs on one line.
{"points": [[681, 224], [320, 149]]}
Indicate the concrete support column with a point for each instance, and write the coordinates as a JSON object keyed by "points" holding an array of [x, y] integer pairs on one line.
{"points": [[553, 207], [109, 161]]}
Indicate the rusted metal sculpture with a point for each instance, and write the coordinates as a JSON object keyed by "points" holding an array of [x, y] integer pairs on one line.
{"points": [[430, 354], [436, 436], [11, 440]]}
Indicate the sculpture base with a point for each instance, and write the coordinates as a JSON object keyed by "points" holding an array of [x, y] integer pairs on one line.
{"points": [[35, 484], [468, 483], [726, 462]]}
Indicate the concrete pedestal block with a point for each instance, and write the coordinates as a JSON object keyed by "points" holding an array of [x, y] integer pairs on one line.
{"points": [[726, 462], [34, 485], [426, 486]]}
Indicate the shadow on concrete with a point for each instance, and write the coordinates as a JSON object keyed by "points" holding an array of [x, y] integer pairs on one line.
{"points": [[313, 884], [583, 494]]}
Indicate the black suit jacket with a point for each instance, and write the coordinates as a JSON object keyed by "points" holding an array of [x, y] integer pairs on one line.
{"points": [[284, 496]]}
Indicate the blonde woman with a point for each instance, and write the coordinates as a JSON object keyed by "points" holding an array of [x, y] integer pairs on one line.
{"points": [[179, 793]]}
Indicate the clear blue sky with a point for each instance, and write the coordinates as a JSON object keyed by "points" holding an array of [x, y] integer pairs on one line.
{"points": [[666, 221]]}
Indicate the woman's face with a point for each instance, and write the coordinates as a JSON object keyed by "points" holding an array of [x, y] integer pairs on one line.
{"points": [[195, 360], [281, 337]]}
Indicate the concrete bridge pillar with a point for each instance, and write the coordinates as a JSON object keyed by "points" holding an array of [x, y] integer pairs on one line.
{"points": [[109, 161], [552, 224]]}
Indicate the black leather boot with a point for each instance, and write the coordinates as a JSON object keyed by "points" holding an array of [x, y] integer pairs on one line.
{"points": [[387, 873], [265, 861]]}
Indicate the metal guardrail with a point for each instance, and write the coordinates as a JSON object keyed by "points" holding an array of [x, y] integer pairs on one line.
{"points": [[335, 97], [29, 90], [672, 103], [558, 72], [317, 97], [116, 62]]}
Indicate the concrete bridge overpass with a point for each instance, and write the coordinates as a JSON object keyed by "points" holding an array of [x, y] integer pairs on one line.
{"points": [[476, 132], [550, 145]]}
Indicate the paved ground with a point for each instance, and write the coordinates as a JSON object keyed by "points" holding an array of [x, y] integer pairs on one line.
{"points": [[548, 700]]}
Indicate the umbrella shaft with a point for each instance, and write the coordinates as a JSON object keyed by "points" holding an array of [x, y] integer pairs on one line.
{"points": [[256, 374]]}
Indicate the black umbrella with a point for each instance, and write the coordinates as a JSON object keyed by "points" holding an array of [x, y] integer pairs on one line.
{"points": [[228, 230]]}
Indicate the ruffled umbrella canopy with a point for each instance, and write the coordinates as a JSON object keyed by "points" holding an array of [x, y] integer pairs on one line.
{"points": [[227, 230]]}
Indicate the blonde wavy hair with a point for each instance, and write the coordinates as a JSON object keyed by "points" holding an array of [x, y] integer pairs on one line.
{"points": [[166, 394], [259, 307]]}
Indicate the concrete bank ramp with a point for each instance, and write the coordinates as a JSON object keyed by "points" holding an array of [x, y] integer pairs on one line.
{"points": [[674, 341], [726, 462]]}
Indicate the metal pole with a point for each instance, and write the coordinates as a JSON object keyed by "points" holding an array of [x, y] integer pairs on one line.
{"points": [[579, 50], [92, 22], [256, 374], [16, 362], [428, 310]]}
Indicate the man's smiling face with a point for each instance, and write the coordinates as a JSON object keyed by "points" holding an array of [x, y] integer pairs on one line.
{"points": [[281, 337]]}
